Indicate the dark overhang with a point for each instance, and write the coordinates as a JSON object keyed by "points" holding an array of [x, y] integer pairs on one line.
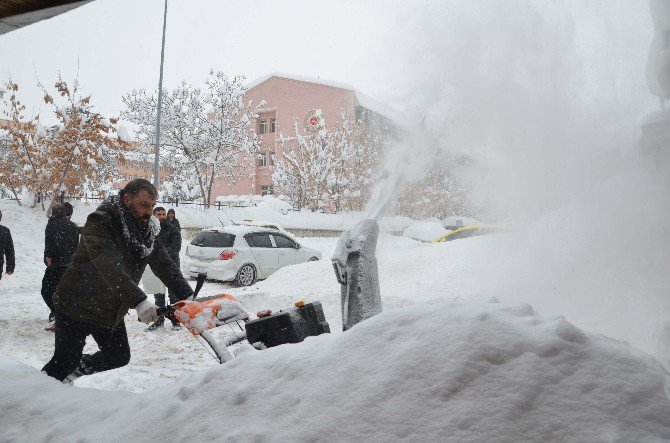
{"points": [[15, 14]]}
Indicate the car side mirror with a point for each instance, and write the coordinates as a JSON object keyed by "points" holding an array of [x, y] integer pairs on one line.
{"points": [[297, 245]]}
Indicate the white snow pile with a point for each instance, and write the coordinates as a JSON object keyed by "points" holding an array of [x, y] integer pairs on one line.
{"points": [[438, 372], [458, 222], [425, 231]]}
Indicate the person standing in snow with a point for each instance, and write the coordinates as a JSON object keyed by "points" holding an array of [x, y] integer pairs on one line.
{"points": [[69, 210], [170, 237], [119, 239], [171, 218], [6, 249], [61, 238]]}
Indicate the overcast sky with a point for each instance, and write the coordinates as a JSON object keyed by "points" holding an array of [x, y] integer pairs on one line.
{"points": [[534, 88], [374, 45], [116, 44]]}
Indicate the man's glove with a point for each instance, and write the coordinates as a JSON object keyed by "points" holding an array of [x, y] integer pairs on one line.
{"points": [[146, 311]]}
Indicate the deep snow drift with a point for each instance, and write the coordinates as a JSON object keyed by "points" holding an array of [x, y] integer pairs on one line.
{"points": [[425, 369], [435, 372]]}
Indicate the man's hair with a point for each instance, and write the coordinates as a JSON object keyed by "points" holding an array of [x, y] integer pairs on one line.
{"points": [[58, 210], [135, 186], [158, 208], [68, 209], [0, 215]]}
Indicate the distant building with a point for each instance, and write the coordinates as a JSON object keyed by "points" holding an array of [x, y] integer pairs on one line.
{"points": [[139, 164], [289, 99]]}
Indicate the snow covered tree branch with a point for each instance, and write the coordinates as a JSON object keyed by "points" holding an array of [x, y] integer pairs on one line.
{"points": [[328, 168], [77, 151], [205, 133]]}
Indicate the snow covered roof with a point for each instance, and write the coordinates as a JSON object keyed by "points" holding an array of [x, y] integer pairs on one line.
{"points": [[300, 78], [362, 99], [380, 108]]}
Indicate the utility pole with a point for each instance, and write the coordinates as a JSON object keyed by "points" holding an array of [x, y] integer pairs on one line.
{"points": [[160, 104]]}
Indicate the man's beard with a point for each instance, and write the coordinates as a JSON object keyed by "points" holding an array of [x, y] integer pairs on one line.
{"points": [[141, 221]]}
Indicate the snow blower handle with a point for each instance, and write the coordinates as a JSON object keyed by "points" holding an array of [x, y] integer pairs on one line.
{"points": [[198, 285], [166, 311], [169, 310]]}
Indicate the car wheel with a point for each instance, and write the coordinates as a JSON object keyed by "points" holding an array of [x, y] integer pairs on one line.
{"points": [[246, 276], [314, 259]]}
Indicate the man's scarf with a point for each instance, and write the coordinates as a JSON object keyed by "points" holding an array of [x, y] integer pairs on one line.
{"points": [[139, 240]]}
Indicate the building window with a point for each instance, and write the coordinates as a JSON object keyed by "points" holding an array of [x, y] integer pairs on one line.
{"points": [[262, 160], [267, 190], [272, 158], [263, 126], [273, 124]]}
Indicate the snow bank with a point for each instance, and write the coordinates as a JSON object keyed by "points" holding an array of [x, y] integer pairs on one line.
{"points": [[458, 222], [273, 211], [424, 231], [439, 372]]}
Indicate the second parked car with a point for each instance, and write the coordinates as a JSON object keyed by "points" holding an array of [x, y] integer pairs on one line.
{"points": [[243, 254]]}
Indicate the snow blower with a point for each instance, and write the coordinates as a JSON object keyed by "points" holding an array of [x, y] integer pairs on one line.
{"points": [[267, 330]]}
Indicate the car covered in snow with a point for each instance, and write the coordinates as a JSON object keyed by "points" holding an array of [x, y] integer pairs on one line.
{"points": [[243, 254], [468, 231], [265, 224]]}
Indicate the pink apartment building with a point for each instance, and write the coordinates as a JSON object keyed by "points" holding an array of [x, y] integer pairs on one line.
{"points": [[289, 99]]}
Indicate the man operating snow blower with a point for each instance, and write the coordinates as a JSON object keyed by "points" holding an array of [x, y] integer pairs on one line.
{"points": [[119, 239]]}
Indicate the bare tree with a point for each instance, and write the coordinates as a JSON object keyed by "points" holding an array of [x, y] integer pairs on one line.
{"points": [[78, 151], [205, 134], [328, 168]]}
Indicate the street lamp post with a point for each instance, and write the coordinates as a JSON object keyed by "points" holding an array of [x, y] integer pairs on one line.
{"points": [[160, 104]]}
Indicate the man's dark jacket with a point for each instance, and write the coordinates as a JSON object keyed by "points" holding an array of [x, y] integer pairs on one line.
{"points": [[100, 286], [170, 237], [60, 241], [6, 249], [175, 222]]}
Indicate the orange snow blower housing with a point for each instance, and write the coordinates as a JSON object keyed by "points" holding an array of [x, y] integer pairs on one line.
{"points": [[201, 316], [197, 316]]}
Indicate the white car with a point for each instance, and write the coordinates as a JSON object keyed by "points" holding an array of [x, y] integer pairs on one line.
{"points": [[264, 224], [243, 254]]}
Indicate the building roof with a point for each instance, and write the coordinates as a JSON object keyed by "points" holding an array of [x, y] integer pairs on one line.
{"points": [[15, 14], [361, 99], [299, 78]]}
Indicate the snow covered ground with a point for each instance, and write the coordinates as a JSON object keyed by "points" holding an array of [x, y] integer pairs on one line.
{"points": [[445, 361]]}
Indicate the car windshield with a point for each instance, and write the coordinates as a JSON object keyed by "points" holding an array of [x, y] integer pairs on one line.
{"points": [[209, 239]]}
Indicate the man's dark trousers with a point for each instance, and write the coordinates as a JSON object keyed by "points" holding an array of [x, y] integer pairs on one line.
{"points": [[70, 340], [52, 276]]}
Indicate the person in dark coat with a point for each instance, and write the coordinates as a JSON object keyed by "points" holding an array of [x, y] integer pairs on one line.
{"points": [[170, 237], [69, 210], [173, 219], [6, 249], [118, 241], [61, 238]]}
